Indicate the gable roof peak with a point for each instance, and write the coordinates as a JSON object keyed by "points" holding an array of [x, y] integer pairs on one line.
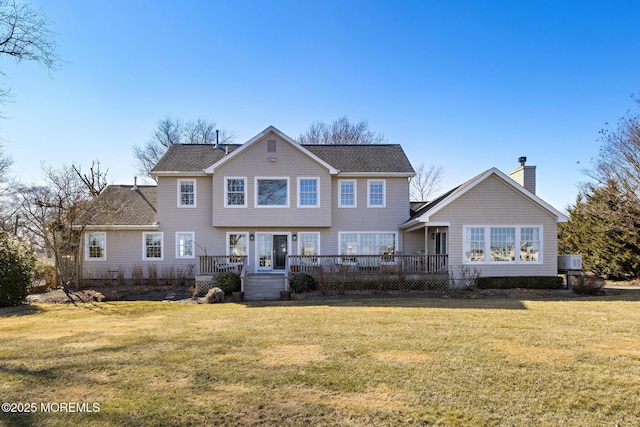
{"points": [[260, 136]]}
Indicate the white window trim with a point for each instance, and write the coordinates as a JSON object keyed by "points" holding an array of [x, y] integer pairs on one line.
{"points": [[317, 180], [226, 192], [395, 233], [355, 193], [487, 245], [384, 193], [86, 251], [195, 193], [255, 192], [300, 240], [144, 246], [226, 242], [193, 240]]}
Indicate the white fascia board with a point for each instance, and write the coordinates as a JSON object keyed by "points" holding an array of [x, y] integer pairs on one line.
{"points": [[376, 174], [418, 223], [179, 173], [270, 129], [114, 227]]}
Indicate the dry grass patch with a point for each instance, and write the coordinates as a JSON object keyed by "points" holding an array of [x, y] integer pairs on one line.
{"points": [[292, 355], [529, 354], [404, 356], [358, 363], [627, 347]]}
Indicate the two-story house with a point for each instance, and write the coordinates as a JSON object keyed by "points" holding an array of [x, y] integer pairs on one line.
{"points": [[253, 206]]}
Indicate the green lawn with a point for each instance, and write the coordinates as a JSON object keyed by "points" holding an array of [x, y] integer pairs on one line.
{"points": [[358, 362]]}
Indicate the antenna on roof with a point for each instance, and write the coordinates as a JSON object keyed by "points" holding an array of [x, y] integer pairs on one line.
{"points": [[135, 183]]}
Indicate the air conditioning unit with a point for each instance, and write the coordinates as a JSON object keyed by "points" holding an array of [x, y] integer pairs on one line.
{"points": [[569, 262]]}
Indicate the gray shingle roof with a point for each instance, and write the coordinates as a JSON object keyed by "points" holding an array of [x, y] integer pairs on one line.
{"points": [[364, 158], [191, 157], [378, 158], [121, 205]]}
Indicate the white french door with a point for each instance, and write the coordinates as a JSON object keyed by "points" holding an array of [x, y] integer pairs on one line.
{"points": [[271, 251]]}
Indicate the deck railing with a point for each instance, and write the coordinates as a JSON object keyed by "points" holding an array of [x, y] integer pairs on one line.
{"points": [[386, 264], [212, 264]]}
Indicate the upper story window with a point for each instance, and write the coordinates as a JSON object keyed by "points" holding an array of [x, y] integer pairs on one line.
{"points": [[96, 247], [511, 244], [184, 245], [376, 193], [347, 193], [308, 193], [235, 192], [186, 193], [272, 192], [152, 246]]}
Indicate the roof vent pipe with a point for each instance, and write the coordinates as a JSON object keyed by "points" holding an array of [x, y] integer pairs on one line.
{"points": [[135, 183], [217, 138], [522, 160]]}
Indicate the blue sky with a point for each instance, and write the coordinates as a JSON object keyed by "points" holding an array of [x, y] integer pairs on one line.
{"points": [[466, 85]]}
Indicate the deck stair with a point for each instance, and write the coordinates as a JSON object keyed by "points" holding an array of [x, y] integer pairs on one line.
{"points": [[263, 286]]}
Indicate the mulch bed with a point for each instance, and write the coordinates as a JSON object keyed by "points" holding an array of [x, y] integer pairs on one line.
{"points": [[181, 294]]}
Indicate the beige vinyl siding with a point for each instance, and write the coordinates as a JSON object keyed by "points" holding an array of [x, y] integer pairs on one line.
{"points": [[414, 242], [362, 218], [124, 250], [493, 202], [173, 219], [255, 162]]}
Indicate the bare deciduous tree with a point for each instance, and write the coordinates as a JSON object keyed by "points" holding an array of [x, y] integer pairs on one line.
{"points": [[619, 156], [95, 181], [48, 215], [426, 182], [341, 131], [25, 36], [169, 131]]}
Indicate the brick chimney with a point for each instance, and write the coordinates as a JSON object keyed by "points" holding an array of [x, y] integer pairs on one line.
{"points": [[525, 175]]}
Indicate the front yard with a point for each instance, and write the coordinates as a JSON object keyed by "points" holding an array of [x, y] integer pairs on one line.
{"points": [[436, 361]]}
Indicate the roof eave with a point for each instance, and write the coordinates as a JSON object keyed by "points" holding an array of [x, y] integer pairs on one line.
{"points": [[112, 227], [376, 174], [179, 173]]}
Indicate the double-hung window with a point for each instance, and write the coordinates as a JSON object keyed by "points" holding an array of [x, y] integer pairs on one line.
{"points": [[376, 193], [308, 193], [235, 192], [152, 244], [347, 193], [503, 244], [185, 245], [308, 243], [96, 247], [186, 193], [474, 244], [373, 243], [237, 245], [272, 192]]}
